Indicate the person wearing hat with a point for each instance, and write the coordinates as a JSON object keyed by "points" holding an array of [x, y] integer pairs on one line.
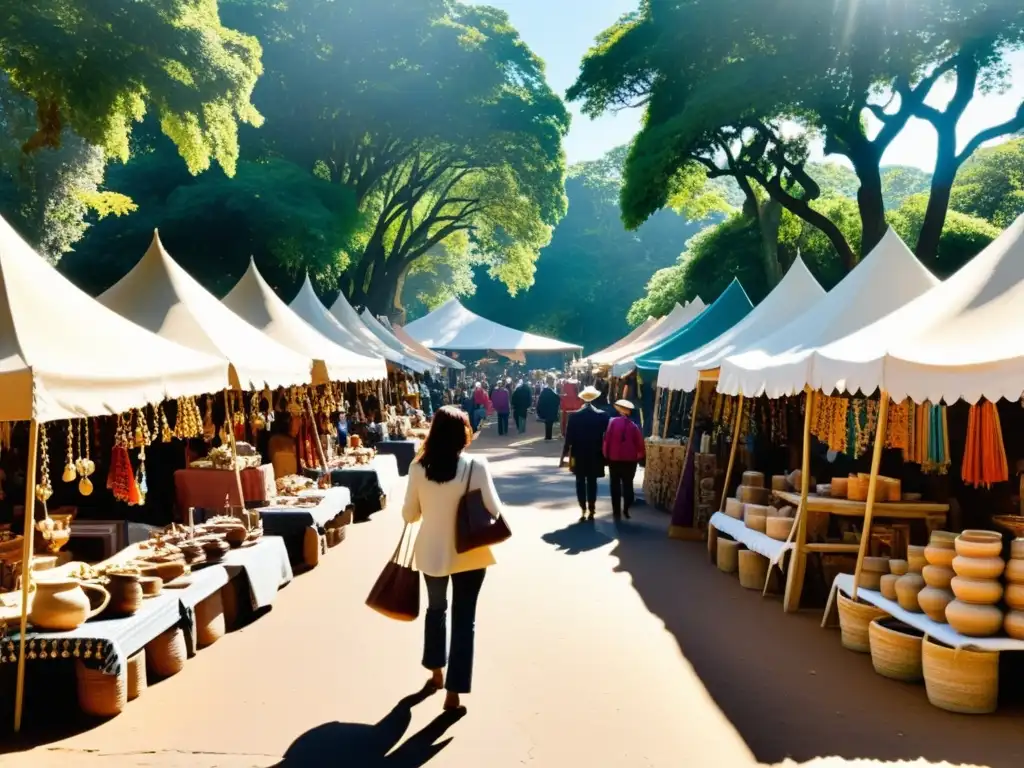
{"points": [[584, 439], [623, 450], [548, 404], [522, 399]]}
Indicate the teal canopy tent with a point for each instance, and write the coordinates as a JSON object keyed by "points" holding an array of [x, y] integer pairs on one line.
{"points": [[727, 310]]}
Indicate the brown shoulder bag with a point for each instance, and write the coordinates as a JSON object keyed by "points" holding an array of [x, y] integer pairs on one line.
{"points": [[474, 525]]}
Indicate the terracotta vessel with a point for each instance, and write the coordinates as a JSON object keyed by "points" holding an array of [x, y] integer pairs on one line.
{"points": [[60, 606], [125, 593], [876, 564], [907, 588], [976, 543], [977, 591], [916, 558], [1014, 625], [937, 576], [933, 602], [899, 567], [1017, 549], [974, 620], [1014, 596], [1015, 571], [887, 586], [940, 556], [943, 539], [979, 567]]}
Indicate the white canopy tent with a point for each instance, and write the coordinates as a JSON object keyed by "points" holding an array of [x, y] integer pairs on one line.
{"points": [[159, 295], [64, 355], [624, 359], [797, 291], [392, 341], [443, 360], [782, 363], [453, 327], [963, 339], [343, 312], [308, 306], [629, 338], [256, 303]]}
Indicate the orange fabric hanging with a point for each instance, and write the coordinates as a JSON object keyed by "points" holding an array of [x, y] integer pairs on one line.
{"points": [[984, 453]]}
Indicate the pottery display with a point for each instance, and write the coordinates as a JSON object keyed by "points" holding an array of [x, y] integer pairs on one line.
{"points": [[974, 620], [977, 591], [937, 576], [933, 602], [907, 588], [979, 567], [1017, 549], [63, 605], [940, 556], [915, 558], [1014, 572], [125, 593], [975, 543], [1014, 596], [942, 539], [887, 585], [898, 567], [1013, 624]]}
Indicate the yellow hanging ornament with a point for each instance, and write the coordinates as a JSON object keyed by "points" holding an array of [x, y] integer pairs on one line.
{"points": [[69, 467]]}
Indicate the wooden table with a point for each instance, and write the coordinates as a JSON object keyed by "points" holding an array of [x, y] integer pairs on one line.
{"points": [[931, 512]]}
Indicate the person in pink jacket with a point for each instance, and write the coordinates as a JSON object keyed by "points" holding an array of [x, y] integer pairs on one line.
{"points": [[623, 450]]}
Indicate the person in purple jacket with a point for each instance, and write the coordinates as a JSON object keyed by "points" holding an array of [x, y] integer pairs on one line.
{"points": [[501, 400], [623, 450]]}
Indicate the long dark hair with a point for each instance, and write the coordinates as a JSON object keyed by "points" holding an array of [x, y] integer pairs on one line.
{"points": [[449, 434]]}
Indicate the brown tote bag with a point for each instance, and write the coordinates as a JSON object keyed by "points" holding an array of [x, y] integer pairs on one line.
{"points": [[474, 525], [396, 594]]}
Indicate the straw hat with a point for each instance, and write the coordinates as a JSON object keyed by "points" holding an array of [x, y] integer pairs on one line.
{"points": [[589, 394], [625, 405]]}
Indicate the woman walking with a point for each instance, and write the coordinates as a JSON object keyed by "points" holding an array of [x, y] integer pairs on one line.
{"points": [[481, 404], [521, 400], [501, 399], [623, 449], [438, 480]]}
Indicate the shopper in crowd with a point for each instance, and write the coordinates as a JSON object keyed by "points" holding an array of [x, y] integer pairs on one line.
{"points": [[547, 408], [521, 400], [584, 448], [623, 450], [571, 400], [501, 400], [438, 480], [481, 404]]}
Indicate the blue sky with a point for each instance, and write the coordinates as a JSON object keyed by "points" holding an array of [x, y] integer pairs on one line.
{"points": [[561, 31]]}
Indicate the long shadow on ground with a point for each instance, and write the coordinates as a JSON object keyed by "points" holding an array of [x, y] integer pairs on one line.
{"points": [[787, 685]]}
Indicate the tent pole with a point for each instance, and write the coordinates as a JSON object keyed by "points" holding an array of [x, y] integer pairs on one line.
{"points": [[234, 455], [316, 438], [869, 508], [26, 564], [798, 561], [693, 423], [668, 415], [732, 452]]}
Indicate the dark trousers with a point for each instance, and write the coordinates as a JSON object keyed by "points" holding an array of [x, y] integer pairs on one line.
{"points": [[586, 491], [549, 427], [502, 423], [622, 474], [465, 590], [521, 421]]}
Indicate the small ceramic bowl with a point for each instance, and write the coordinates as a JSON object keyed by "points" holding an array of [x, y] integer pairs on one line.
{"points": [[976, 543]]}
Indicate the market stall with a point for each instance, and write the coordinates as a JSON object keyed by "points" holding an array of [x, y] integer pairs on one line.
{"points": [[371, 483], [343, 312], [308, 306], [404, 451], [679, 317]]}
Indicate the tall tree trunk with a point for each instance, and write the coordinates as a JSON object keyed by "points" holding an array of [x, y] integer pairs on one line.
{"points": [[946, 166], [870, 200], [769, 218]]}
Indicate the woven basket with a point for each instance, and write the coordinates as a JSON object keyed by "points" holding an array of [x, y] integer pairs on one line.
{"points": [[959, 680], [229, 601], [854, 619], [210, 625], [895, 649], [753, 569], [100, 695], [728, 555], [165, 654], [311, 547], [136, 675]]}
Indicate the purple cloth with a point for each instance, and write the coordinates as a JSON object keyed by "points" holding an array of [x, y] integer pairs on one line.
{"points": [[500, 400], [682, 508]]}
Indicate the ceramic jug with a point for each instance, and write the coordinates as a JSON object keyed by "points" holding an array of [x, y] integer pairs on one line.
{"points": [[60, 606]]}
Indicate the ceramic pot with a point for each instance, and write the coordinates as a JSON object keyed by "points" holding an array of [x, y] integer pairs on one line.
{"points": [[1014, 596], [976, 543], [974, 620], [60, 606], [1015, 571], [942, 539], [1013, 625], [876, 564], [940, 556], [870, 580], [899, 567], [933, 602], [125, 593], [916, 558], [887, 586], [979, 567], [976, 591], [938, 577], [1017, 549], [907, 588]]}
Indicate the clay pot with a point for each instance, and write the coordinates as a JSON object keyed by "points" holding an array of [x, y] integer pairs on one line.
{"points": [[940, 556], [1013, 625], [979, 567], [933, 602], [1014, 596], [976, 591], [1015, 571], [876, 564], [974, 620], [938, 577], [907, 588], [916, 558], [870, 580], [60, 606], [125, 593], [899, 567], [887, 586], [1017, 549], [979, 544], [942, 539]]}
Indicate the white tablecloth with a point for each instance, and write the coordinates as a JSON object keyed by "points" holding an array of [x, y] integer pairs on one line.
{"points": [[753, 540]]}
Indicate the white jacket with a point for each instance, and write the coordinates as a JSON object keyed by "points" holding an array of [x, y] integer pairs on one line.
{"points": [[437, 505]]}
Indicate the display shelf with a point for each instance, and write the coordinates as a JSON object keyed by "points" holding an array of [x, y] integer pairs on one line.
{"points": [[753, 540], [910, 510], [933, 629]]}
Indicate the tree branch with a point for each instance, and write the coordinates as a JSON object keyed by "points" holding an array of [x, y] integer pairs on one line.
{"points": [[1012, 125]]}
